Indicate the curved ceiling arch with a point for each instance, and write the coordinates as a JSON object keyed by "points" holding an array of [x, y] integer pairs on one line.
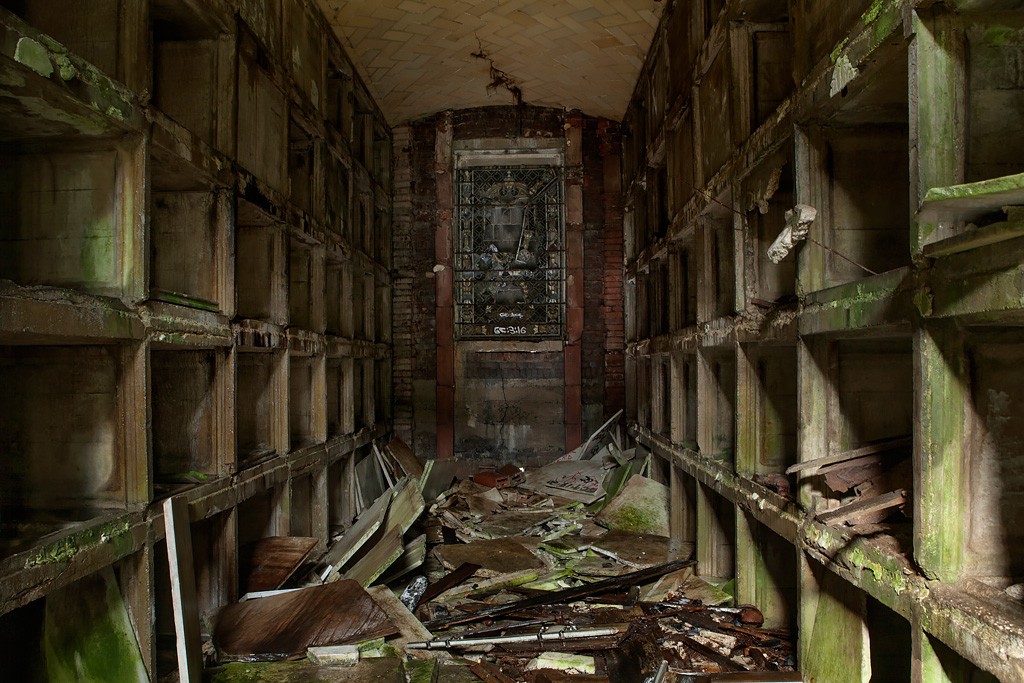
{"points": [[418, 57]]}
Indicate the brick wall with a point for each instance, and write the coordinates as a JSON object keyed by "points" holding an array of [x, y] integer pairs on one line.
{"points": [[416, 215]]}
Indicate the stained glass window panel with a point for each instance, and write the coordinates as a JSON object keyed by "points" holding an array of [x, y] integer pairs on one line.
{"points": [[509, 252]]}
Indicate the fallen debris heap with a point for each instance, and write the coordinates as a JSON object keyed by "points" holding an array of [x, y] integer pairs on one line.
{"points": [[560, 573]]}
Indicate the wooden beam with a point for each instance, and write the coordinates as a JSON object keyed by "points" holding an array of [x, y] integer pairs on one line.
{"points": [[870, 449], [189, 646], [852, 513]]}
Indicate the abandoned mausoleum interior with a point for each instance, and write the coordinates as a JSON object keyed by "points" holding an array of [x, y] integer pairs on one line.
{"points": [[440, 341]]}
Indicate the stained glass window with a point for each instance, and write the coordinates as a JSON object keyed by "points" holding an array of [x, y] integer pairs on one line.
{"points": [[509, 252]]}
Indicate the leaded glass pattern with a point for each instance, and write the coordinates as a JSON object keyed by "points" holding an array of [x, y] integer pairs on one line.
{"points": [[509, 252]]}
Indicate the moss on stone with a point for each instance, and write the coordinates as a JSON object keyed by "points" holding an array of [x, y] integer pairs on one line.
{"points": [[978, 189], [34, 56]]}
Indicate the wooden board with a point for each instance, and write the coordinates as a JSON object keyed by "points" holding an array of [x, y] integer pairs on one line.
{"points": [[87, 635], [870, 449], [387, 548], [410, 628], [406, 506], [865, 510], [447, 582], [183, 590], [634, 550], [498, 556], [283, 626], [401, 452], [352, 540], [271, 561], [412, 557]]}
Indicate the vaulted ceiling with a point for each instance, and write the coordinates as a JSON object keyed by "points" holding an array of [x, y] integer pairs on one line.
{"points": [[423, 56]]}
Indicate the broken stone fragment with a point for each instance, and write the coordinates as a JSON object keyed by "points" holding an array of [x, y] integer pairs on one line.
{"points": [[334, 655], [563, 661], [798, 224]]}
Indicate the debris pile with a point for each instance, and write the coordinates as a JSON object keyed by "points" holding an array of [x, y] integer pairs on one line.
{"points": [[865, 485], [561, 573]]}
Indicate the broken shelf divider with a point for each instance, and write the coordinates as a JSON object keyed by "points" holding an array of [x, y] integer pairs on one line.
{"points": [[271, 561]]}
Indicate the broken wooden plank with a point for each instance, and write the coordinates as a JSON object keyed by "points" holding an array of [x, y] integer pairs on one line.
{"points": [[385, 546], [285, 626], [567, 595], [412, 557], [386, 549], [404, 456], [490, 673], [409, 627], [384, 466], [633, 549], [710, 653], [406, 506], [271, 561], [862, 510], [870, 449], [352, 540], [840, 477], [497, 556], [178, 534], [447, 582]]}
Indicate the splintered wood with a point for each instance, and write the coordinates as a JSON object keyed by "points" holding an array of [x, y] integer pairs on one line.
{"points": [[522, 573], [559, 598]]}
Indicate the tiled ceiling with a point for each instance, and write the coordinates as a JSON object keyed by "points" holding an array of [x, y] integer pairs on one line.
{"points": [[417, 56]]}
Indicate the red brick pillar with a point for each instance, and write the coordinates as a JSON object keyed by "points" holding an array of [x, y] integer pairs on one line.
{"points": [[613, 310]]}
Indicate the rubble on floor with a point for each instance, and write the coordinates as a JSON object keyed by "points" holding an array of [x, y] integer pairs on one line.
{"points": [[561, 573]]}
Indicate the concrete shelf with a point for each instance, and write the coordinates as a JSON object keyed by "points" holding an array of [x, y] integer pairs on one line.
{"points": [[175, 184], [896, 317]]}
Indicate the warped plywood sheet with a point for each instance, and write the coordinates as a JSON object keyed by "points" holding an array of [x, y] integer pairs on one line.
{"points": [[271, 561], [283, 626]]}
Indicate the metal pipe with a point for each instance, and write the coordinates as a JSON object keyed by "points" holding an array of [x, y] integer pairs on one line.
{"points": [[541, 636]]}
